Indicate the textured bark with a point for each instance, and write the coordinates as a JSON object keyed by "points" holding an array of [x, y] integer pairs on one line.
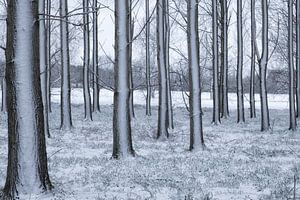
{"points": [[96, 89], [290, 46], [3, 89], [148, 69], [122, 141], [253, 64], [66, 116], [48, 54], [26, 136], [298, 56], [196, 130], [162, 130], [240, 92], [216, 107], [86, 63]]}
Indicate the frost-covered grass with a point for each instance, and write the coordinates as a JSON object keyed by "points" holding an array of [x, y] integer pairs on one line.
{"points": [[239, 161]]}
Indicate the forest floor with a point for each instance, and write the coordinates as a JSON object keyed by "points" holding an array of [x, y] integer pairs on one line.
{"points": [[239, 161]]}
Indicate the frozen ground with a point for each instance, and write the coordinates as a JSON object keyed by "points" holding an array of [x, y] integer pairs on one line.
{"points": [[239, 162]]}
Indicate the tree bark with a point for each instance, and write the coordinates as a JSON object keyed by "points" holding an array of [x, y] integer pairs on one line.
{"points": [[27, 170], [298, 56], [148, 68], [253, 57], [196, 130], [122, 141], [3, 89], [48, 54]]}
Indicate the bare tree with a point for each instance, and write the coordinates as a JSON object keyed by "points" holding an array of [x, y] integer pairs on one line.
{"points": [[253, 61], [27, 171], [122, 141], [298, 56], [148, 69], [48, 53], [196, 130]]}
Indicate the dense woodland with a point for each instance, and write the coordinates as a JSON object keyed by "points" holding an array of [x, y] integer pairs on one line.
{"points": [[250, 48]]}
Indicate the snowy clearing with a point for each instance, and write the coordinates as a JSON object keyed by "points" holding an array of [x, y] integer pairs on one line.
{"points": [[239, 162]]}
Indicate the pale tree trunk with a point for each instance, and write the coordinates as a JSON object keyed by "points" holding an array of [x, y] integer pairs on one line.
{"points": [[263, 63], [27, 171], [252, 71], [4, 103], [66, 116], [216, 107], [162, 130], [298, 55], [196, 130], [122, 141], [48, 53], [86, 63], [148, 68], [290, 46], [224, 109], [43, 62], [96, 89], [130, 35], [167, 57], [240, 92]]}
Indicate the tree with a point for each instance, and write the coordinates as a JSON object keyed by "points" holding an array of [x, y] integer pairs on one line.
{"points": [[290, 47], [122, 141], [216, 107], [66, 116], [298, 56], [27, 171], [3, 89], [253, 61], [240, 92], [86, 62], [148, 69], [96, 106], [162, 130], [196, 131], [48, 53]]}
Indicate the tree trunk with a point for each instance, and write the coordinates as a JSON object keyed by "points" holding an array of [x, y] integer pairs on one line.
{"points": [[130, 35], [290, 46], [4, 103], [148, 68], [48, 53], [27, 171], [252, 71], [263, 63], [240, 92], [66, 116], [122, 141], [162, 131], [96, 89], [196, 131], [216, 107], [298, 55], [86, 64]]}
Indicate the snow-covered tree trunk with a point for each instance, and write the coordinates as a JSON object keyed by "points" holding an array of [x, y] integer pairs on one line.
{"points": [[298, 55], [162, 130], [48, 53], [43, 62], [291, 67], [263, 63], [196, 131], [66, 116], [122, 141], [167, 57], [216, 106], [96, 89], [224, 60], [240, 92], [253, 63], [3, 89], [27, 171], [148, 68], [86, 62]]}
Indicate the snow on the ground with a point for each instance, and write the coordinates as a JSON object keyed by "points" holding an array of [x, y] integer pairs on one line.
{"points": [[239, 161]]}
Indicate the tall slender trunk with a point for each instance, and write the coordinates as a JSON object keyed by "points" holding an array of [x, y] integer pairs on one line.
{"points": [[298, 55], [27, 170], [122, 141], [290, 47], [148, 68], [263, 63], [66, 116], [130, 35], [252, 71], [196, 130], [96, 89], [162, 130], [86, 62], [3, 89], [48, 53], [216, 107], [240, 92]]}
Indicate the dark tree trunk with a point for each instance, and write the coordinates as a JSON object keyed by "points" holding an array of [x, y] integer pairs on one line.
{"points": [[148, 69], [253, 64]]}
